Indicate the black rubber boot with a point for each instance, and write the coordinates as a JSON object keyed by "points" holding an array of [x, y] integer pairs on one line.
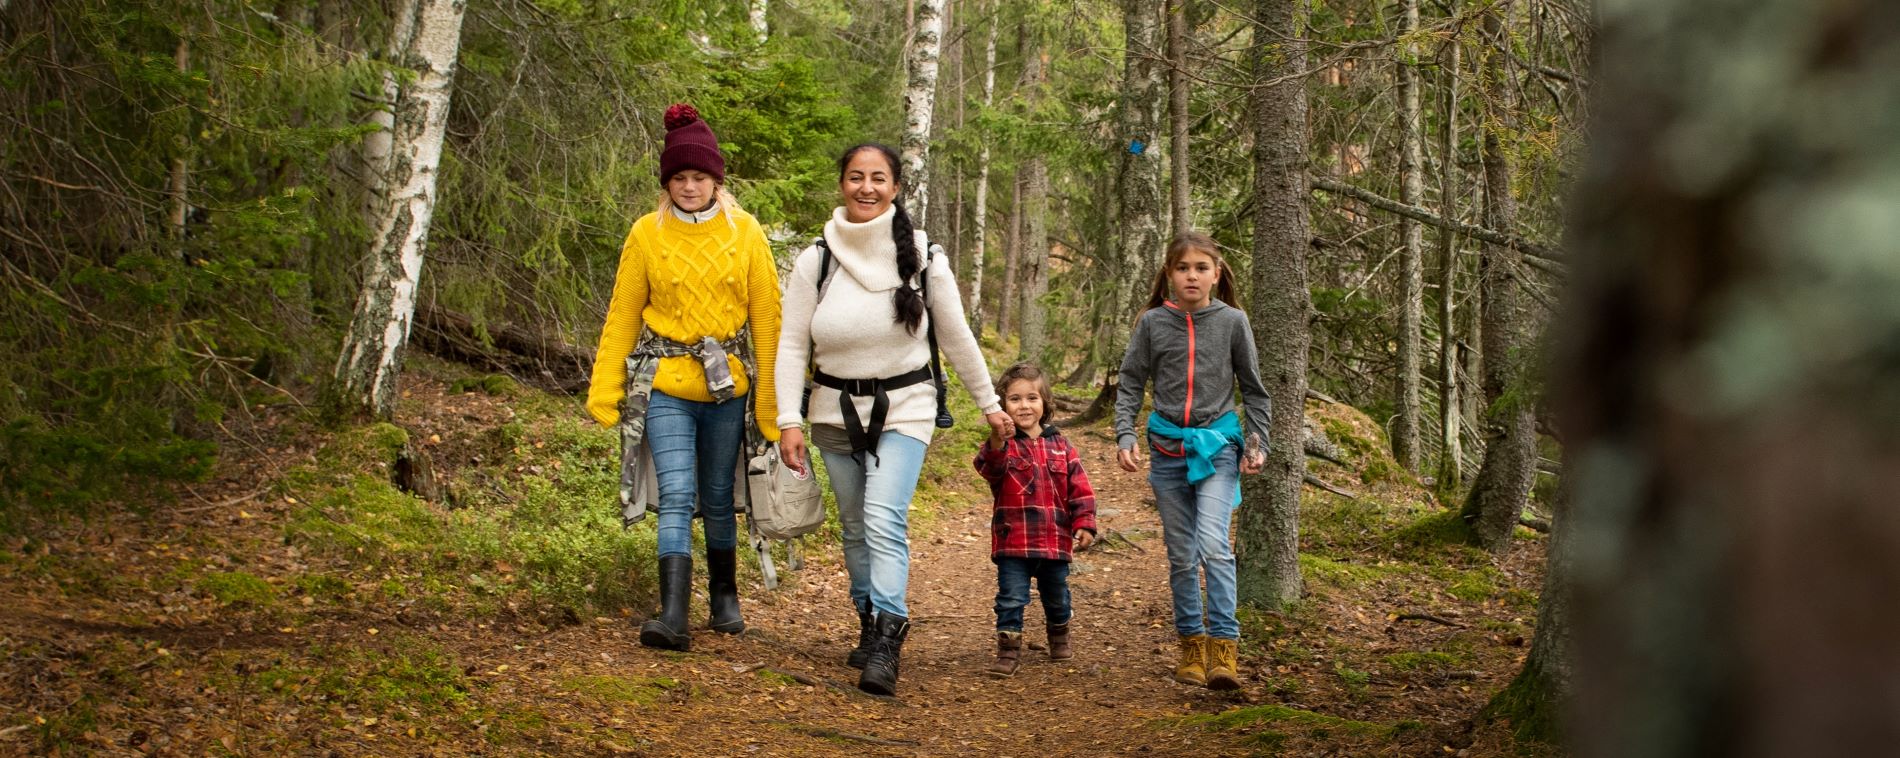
{"points": [[880, 670], [722, 590], [867, 637], [668, 630]]}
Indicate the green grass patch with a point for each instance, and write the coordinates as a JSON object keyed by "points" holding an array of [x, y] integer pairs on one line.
{"points": [[409, 676], [1318, 569], [238, 588], [499, 385], [625, 689], [1433, 532]]}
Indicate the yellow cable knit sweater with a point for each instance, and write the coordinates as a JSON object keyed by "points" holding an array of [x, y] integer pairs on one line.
{"points": [[687, 281]]}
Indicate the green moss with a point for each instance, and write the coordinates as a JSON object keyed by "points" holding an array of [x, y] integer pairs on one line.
{"points": [[321, 586], [1528, 703], [499, 385], [1426, 660], [1341, 574], [776, 678], [625, 689], [1435, 530], [410, 675], [238, 588]]}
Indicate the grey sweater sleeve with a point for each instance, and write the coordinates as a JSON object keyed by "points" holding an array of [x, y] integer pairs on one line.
{"points": [[1253, 393], [1133, 380]]}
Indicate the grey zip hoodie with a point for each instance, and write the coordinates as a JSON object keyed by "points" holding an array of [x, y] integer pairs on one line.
{"points": [[1223, 359]]}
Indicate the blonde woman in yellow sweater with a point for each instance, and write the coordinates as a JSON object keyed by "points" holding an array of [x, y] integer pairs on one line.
{"points": [[685, 365]]}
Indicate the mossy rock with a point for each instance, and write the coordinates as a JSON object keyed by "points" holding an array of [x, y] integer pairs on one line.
{"points": [[498, 385]]}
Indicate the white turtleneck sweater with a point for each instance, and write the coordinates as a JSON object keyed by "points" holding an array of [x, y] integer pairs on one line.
{"points": [[854, 333]]}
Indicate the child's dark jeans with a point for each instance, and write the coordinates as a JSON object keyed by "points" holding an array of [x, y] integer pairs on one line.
{"points": [[1012, 591]]}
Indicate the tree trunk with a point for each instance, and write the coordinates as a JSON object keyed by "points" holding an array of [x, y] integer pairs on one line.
{"points": [[941, 217], [1179, 211], [1268, 523], [1535, 700], [920, 100], [1734, 392], [1138, 174], [371, 359], [180, 169], [1510, 432], [755, 16], [1035, 239], [1411, 259], [981, 217], [1450, 445], [1008, 309]]}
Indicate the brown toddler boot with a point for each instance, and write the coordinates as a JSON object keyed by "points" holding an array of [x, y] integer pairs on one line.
{"points": [[1059, 649], [1222, 665], [1009, 654], [1192, 668]]}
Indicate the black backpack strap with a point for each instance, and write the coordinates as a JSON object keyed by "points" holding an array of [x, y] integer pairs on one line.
{"points": [[944, 420]]}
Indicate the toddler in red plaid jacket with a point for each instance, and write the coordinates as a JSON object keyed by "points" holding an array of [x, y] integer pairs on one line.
{"points": [[1044, 511]]}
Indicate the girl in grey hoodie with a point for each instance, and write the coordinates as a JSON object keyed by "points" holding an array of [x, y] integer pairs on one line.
{"points": [[1195, 347]]}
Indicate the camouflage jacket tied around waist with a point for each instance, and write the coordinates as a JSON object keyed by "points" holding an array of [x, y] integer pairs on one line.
{"points": [[639, 483]]}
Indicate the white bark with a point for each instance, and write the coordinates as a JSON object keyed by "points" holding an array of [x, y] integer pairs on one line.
{"points": [[1139, 158], [1451, 456], [378, 145], [755, 14], [371, 359], [920, 99], [180, 170], [982, 218]]}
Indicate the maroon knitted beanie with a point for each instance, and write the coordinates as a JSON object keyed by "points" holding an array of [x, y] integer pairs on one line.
{"points": [[689, 144]]}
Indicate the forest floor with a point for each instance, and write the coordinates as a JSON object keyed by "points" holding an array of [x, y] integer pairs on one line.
{"points": [[298, 605]]}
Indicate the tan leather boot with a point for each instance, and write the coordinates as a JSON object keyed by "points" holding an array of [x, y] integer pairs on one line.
{"points": [[1009, 654], [1222, 664], [1192, 668]]}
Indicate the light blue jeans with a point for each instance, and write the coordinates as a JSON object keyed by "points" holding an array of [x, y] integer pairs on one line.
{"points": [[1194, 526], [695, 449], [874, 509]]}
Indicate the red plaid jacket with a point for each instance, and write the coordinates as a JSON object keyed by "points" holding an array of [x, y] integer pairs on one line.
{"points": [[1041, 496]]}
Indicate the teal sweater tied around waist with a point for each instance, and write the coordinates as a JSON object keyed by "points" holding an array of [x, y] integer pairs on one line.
{"points": [[1200, 443]]}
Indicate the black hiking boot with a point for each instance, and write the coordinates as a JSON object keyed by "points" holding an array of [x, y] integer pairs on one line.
{"points": [[880, 669], [722, 591], [668, 630], [867, 637]]}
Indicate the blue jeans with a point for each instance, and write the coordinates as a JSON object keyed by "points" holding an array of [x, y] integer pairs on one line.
{"points": [[1012, 591], [695, 450], [1194, 526], [874, 511]]}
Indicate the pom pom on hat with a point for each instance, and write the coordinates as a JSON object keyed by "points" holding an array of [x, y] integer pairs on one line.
{"points": [[689, 144], [680, 114]]}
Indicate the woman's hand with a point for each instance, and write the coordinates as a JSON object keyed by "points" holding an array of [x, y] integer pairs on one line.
{"points": [[1253, 461], [1000, 425], [791, 449], [1128, 459]]}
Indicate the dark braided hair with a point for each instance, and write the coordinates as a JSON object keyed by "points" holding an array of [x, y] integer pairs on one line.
{"points": [[907, 300]]}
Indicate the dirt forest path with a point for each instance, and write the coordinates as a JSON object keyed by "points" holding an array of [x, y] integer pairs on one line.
{"points": [[1100, 702], [296, 604]]}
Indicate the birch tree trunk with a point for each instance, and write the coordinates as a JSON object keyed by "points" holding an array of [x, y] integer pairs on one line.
{"points": [[1510, 435], [1450, 444], [981, 218], [378, 145], [1411, 263], [920, 99], [1179, 212], [755, 17], [1737, 386], [1278, 304], [1138, 181], [371, 359], [180, 168]]}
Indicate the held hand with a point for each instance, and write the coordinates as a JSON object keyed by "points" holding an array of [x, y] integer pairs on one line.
{"points": [[1253, 462], [791, 449], [1128, 459], [1000, 426], [1083, 539]]}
